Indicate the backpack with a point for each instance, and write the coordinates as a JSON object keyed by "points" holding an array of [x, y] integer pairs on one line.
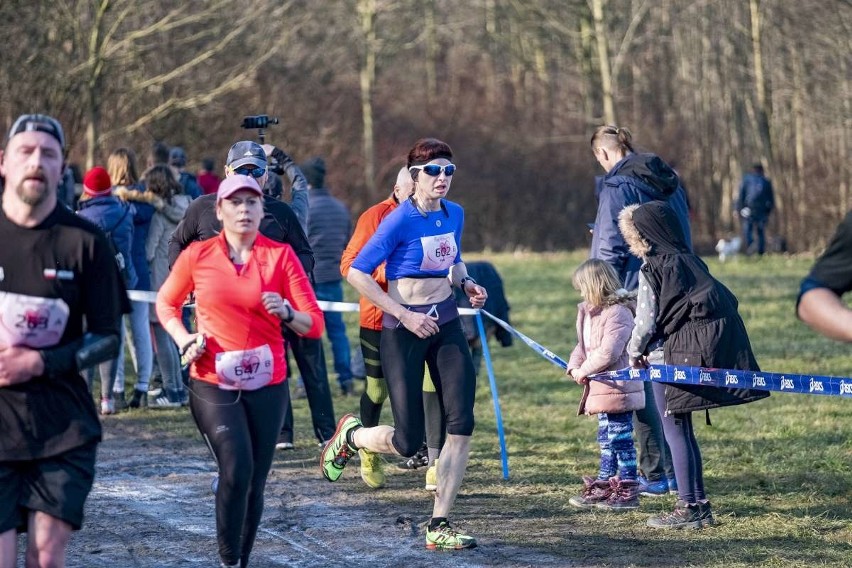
{"points": [[119, 257]]}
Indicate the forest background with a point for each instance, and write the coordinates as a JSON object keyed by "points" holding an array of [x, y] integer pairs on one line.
{"points": [[516, 88]]}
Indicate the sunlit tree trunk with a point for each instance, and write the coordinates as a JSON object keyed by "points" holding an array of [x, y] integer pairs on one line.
{"points": [[367, 14], [604, 66]]}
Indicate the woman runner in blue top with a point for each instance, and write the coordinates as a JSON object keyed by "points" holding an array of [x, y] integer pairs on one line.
{"points": [[420, 241]]}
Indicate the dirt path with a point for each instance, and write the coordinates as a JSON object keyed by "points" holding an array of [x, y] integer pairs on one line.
{"points": [[152, 506]]}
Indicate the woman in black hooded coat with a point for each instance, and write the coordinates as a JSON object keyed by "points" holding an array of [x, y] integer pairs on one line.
{"points": [[684, 317]]}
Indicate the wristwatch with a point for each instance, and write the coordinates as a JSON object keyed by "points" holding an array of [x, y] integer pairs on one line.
{"points": [[465, 280], [291, 314]]}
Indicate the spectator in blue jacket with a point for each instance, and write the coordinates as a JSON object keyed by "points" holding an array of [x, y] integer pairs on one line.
{"points": [[754, 205], [115, 218], [121, 166], [634, 178], [177, 160]]}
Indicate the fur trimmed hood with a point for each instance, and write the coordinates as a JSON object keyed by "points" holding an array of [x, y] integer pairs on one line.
{"points": [[129, 194], [652, 229]]}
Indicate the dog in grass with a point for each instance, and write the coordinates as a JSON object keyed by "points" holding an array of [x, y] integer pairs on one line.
{"points": [[728, 248]]}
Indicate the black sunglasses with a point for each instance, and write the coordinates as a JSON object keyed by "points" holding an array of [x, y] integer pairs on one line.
{"points": [[253, 171]]}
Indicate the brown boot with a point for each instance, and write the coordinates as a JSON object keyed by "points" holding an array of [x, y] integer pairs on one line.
{"points": [[594, 491], [624, 496]]}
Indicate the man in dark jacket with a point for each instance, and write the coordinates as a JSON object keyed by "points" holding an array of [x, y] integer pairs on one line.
{"points": [[754, 205], [279, 223], [631, 179], [329, 229]]}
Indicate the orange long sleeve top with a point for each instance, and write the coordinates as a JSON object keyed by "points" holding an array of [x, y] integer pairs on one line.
{"points": [[228, 305], [368, 222]]}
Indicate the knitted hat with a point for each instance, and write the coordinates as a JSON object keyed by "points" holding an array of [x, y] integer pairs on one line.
{"points": [[177, 157], [96, 182], [314, 171]]}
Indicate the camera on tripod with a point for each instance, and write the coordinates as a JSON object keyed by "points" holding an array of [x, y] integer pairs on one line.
{"points": [[259, 121]]}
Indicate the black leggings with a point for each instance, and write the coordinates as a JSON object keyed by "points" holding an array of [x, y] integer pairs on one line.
{"points": [[686, 455], [241, 429], [448, 357]]}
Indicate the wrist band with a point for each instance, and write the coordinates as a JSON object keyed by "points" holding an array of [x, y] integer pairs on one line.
{"points": [[291, 314]]}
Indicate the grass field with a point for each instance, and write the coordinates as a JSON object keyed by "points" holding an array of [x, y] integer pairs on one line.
{"points": [[779, 471]]}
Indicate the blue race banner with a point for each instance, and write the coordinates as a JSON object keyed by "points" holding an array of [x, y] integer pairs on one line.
{"points": [[735, 379], [725, 378]]}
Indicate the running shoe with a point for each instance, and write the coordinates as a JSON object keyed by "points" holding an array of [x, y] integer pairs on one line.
{"points": [[418, 460], [372, 470], [648, 488], [337, 452], [432, 477], [444, 537]]}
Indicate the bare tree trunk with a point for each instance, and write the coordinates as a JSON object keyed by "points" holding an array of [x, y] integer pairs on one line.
{"points": [[763, 110], [843, 139], [603, 62], [367, 13], [95, 73]]}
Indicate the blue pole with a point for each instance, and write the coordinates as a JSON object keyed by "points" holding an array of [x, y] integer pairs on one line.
{"points": [[486, 354]]}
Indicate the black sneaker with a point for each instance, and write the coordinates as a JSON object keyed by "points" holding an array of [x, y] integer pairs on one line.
{"points": [[120, 402], [706, 514], [284, 443], [683, 517], [139, 399], [418, 460]]}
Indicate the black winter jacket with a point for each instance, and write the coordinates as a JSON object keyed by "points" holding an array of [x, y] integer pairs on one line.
{"points": [[697, 315], [279, 223]]}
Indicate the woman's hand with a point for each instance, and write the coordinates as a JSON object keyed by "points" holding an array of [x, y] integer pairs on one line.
{"points": [[276, 305], [475, 293], [419, 324], [192, 349], [640, 362]]}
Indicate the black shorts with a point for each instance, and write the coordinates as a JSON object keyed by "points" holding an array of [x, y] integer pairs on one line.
{"points": [[57, 485]]}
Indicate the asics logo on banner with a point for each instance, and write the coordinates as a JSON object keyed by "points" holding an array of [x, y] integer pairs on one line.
{"points": [[787, 384], [656, 374], [816, 386], [731, 379], [633, 373], [758, 381], [679, 375], [845, 388], [704, 377]]}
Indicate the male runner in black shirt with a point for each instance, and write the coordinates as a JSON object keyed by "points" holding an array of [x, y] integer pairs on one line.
{"points": [[61, 300]]}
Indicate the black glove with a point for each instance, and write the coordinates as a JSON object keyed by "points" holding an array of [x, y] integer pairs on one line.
{"points": [[279, 160]]}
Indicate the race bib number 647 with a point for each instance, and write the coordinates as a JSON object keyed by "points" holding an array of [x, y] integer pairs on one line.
{"points": [[245, 370]]}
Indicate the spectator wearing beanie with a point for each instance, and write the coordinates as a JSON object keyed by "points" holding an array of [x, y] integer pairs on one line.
{"points": [[114, 217], [177, 160], [329, 229]]}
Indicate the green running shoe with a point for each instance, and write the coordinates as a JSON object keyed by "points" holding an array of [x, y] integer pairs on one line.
{"points": [[432, 477], [372, 470], [444, 537], [337, 451]]}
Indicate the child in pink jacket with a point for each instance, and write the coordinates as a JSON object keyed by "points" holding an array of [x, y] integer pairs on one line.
{"points": [[604, 325]]}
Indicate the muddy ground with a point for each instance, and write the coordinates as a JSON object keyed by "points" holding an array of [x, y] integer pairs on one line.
{"points": [[152, 507]]}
